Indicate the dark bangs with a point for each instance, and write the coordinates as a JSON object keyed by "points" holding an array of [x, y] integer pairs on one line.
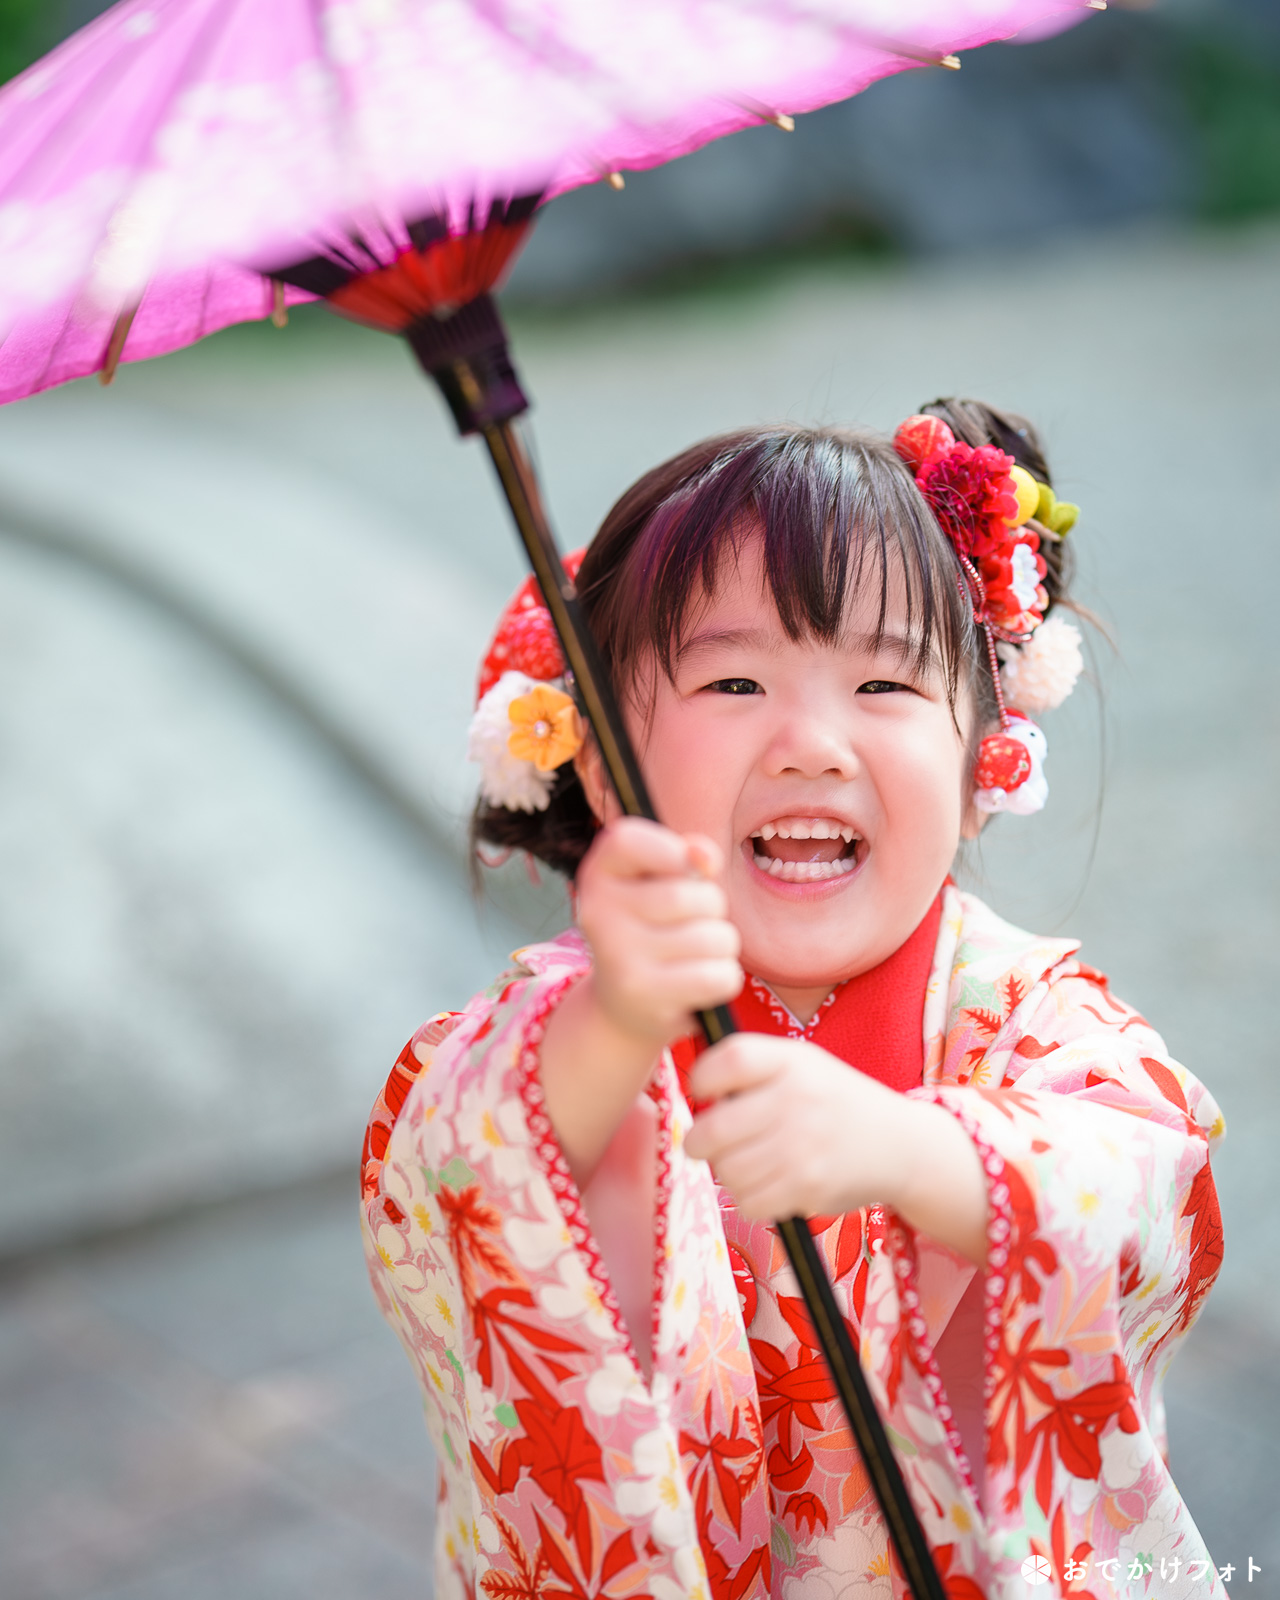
{"points": [[837, 513]]}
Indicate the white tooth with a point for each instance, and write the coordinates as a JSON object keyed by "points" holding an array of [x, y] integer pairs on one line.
{"points": [[783, 833], [768, 831], [800, 830], [803, 871], [846, 834], [821, 830]]}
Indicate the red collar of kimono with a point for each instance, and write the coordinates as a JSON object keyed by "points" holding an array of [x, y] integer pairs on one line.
{"points": [[875, 1021]]}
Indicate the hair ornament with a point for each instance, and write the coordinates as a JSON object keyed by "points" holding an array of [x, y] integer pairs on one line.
{"points": [[995, 513], [1058, 516], [525, 724], [1009, 771], [1039, 675], [545, 727]]}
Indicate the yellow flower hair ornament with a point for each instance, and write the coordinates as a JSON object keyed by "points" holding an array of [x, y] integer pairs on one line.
{"points": [[545, 728], [522, 731], [525, 725]]}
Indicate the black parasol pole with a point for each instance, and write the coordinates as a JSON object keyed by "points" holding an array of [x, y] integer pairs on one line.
{"points": [[466, 353]]}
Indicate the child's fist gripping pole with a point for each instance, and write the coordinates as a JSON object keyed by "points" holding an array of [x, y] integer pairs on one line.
{"points": [[794, 1131], [657, 923], [662, 947]]}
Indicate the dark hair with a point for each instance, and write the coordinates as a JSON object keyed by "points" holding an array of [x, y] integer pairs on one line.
{"points": [[835, 507]]}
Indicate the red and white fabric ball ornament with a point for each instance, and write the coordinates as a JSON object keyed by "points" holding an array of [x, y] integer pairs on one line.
{"points": [[1009, 772], [1003, 763], [525, 640], [920, 440]]}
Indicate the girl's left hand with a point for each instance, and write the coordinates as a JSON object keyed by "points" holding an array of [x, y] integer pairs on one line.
{"points": [[794, 1131]]}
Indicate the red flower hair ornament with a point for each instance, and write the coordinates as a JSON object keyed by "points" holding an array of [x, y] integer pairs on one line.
{"points": [[985, 504]]}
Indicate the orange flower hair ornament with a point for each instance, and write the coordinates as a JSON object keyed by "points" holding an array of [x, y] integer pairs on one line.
{"points": [[526, 725], [996, 514]]}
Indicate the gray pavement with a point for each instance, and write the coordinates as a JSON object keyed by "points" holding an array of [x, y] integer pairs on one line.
{"points": [[242, 595], [207, 1409]]}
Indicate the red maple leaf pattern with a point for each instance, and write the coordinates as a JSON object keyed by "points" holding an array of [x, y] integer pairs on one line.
{"points": [[762, 1453]]}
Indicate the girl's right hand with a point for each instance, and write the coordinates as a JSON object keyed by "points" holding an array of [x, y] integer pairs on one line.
{"points": [[656, 922]]}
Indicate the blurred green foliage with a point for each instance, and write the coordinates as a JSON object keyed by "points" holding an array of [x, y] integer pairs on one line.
{"points": [[24, 34], [1232, 95]]}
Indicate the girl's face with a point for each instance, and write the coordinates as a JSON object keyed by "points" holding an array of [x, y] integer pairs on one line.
{"points": [[833, 777]]}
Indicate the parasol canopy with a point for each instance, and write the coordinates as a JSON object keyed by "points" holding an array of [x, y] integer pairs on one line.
{"points": [[154, 163], [183, 164]]}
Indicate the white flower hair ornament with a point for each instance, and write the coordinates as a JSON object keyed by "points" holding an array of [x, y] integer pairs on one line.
{"points": [[525, 726], [996, 516]]}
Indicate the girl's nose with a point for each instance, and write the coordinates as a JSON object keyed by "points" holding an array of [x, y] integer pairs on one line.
{"points": [[810, 745]]}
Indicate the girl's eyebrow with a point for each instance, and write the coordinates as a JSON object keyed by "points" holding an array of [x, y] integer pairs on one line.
{"points": [[757, 639], [901, 646]]}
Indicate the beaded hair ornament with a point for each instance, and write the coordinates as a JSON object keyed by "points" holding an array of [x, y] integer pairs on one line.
{"points": [[996, 515], [526, 725]]}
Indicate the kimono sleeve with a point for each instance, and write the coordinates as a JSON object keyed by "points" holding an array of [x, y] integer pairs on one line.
{"points": [[558, 1463], [1104, 1238]]}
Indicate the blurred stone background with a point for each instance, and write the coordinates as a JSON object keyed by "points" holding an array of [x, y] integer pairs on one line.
{"points": [[242, 597]]}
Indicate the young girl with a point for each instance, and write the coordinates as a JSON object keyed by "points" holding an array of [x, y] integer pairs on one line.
{"points": [[824, 644]]}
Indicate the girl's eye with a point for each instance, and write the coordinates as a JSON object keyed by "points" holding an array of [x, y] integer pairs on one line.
{"points": [[735, 686], [882, 686]]}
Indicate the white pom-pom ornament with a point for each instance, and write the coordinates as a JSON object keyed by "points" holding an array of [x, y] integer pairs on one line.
{"points": [[1039, 675], [505, 779]]}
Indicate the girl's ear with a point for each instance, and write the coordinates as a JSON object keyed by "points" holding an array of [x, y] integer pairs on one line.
{"points": [[589, 766]]}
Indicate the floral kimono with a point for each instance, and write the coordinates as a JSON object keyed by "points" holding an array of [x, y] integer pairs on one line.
{"points": [[706, 1454]]}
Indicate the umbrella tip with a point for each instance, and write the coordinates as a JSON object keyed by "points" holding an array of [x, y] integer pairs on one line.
{"points": [[952, 63], [1095, 5], [115, 345], [781, 120], [615, 180]]}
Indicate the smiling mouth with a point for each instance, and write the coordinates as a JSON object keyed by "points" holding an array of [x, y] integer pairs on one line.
{"points": [[805, 849]]}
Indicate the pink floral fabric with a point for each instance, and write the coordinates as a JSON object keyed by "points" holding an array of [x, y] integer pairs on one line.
{"points": [[729, 1472]]}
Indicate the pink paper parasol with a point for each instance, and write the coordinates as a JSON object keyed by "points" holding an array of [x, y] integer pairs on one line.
{"points": [[389, 159], [151, 163]]}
